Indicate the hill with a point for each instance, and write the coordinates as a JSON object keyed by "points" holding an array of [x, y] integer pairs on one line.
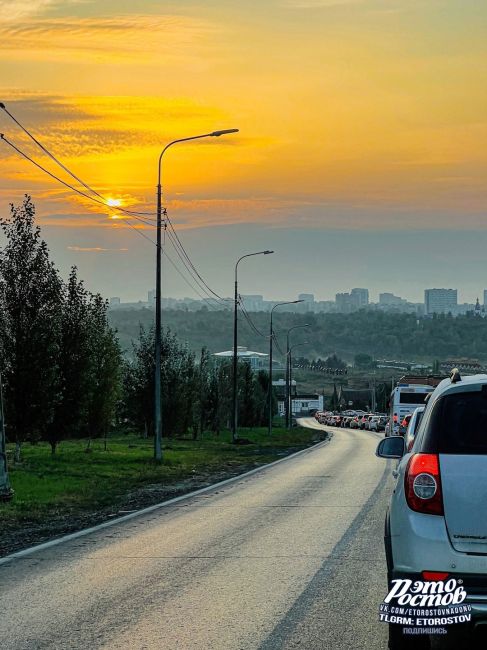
{"points": [[382, 335]]}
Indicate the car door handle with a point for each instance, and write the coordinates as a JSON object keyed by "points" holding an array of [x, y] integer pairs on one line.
{"points": [[395, 473]]}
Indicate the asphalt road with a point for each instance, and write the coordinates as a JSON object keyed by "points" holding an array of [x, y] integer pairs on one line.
{"points": [[289, 557]]}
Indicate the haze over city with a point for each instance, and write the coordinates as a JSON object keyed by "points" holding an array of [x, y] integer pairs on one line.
{"points": [[362, 139]]}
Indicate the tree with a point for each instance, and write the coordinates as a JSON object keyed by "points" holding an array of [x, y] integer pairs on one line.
{"points": [[74, 365], [334, 362], [105, 370], [364, 361], [32, 299], [138, 383], [246, 399]]}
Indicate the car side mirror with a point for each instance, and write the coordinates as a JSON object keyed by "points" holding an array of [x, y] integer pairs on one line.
{"points": [[391, 447]]}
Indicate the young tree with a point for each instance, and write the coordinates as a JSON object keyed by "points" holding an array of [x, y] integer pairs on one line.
{"points": [[32, 299], [75, 365], [138, 383], [247, 404], [106, 370]]}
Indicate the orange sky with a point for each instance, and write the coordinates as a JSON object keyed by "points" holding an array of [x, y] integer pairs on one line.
{"points": [[376, 108]]}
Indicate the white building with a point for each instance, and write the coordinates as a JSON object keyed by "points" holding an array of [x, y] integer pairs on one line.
{"points": [[440, 301], [302, 405], [257, 360]]}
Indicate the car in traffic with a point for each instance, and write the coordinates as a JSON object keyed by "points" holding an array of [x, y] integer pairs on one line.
{"points": [[436, 523], [413, 426], [373, 423]]}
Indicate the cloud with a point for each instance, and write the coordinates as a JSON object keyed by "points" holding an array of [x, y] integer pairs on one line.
{"points": [[129, 38], [92, 125], [95, 249], [318, 4], [14, 10]]}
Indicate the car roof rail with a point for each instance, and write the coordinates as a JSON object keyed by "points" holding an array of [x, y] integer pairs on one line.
{"points": [[455, 376]]}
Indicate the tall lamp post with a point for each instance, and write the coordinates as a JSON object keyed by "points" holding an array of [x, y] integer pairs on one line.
{"points": [[271, 334], [157, 352], [288, 386], [291, 380], [235, 336]]}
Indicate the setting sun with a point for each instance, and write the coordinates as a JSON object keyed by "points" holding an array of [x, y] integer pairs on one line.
{"points": [[114, 203]]}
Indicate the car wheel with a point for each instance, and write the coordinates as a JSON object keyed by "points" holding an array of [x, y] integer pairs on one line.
{"points": [[400, 641]]}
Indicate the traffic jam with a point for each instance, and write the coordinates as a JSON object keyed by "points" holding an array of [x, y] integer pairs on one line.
{"points": [[436, 523]]}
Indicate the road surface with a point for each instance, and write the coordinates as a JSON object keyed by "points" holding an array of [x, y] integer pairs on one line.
{"points": [[289, 557]]}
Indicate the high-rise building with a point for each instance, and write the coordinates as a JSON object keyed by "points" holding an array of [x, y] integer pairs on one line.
{"points": [[485, 297], [440, 301], [343, 302], [308, 303], [359, 298], [253, 302], [390, 300]]}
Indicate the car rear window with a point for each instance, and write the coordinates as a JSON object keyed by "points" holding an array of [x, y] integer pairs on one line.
{"points": [[411, 398], [458, 425]]}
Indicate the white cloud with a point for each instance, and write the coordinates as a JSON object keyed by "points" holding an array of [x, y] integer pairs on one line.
{"points": [[14, 10], [95, 249]]}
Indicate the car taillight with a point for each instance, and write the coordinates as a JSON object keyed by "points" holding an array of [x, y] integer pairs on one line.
{"points": [[434, 576], [422, 484]]}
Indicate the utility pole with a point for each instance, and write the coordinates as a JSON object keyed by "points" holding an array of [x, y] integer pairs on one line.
{"points": [[271, 335], [158, 333], [235, 346], [6, 492], [288, 387], [290, 406]]}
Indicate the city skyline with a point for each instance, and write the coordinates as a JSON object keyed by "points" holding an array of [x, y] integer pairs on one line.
{"points": [[436, 300]]}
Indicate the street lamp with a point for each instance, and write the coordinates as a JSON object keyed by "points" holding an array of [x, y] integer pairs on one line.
{"points": [[288, 386], [157, 351], [271, 333], [235, 335], [290, 407]]}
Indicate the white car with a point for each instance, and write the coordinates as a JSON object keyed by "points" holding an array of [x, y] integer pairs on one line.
{"points": [[436, 525]]}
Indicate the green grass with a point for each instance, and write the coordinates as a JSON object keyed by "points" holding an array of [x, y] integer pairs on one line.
{"points": [[74, 482]]}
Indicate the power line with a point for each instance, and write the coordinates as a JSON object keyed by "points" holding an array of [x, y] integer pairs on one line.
{"points": [[201, 285], [248, 319], [274, 338], [71, 187], [174, 234], [149, 239], [174, 238], [63, 166]]}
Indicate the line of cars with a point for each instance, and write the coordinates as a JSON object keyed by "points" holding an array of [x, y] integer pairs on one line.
{"points": [[353, 420]]}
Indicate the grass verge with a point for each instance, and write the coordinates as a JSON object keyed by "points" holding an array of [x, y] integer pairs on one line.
{"points": [[75, 489]]}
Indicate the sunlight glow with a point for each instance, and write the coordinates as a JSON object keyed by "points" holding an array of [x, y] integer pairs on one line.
{"points": [[114, 203]]}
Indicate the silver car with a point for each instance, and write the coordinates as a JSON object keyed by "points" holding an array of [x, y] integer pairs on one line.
{"points": [[436, 525]]}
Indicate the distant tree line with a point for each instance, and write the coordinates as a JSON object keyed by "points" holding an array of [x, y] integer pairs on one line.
{"points": [[63, 371], [332, 365], [377, 334]]}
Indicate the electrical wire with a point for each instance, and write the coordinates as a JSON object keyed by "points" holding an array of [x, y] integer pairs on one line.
{"points": [[174, 235], [169, 259], [274, 338], [71, 187], [175, 240], [103, 200], [248, 319], [202, 285]]}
